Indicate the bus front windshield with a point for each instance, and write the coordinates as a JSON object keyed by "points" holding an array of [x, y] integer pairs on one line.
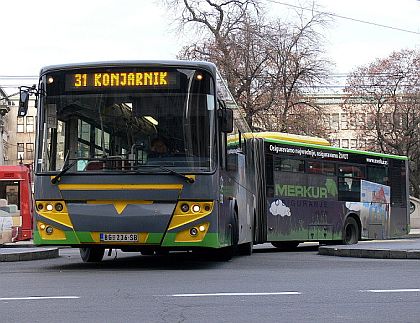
{"points": [[94, 125]]}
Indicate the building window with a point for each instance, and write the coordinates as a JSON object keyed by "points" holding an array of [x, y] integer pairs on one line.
{"points": [[353, 143], [29, 124], [326, 120], [20, 124], [344, 124], [344, 143], [30, 151], [20, 151], [335, 142], [335, 117]]}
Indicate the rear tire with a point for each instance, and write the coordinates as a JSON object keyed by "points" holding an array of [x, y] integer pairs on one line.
{"points": [[92, 254], [350, 232]]}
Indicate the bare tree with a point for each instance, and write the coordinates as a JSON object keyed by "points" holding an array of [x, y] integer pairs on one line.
{"points": [[390, 89], [268, 65]]}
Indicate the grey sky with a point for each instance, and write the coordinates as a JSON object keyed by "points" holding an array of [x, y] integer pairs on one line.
{"points": [[46, 32]]}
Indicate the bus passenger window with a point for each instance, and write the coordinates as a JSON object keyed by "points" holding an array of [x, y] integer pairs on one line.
{"points": [[377, 175], [315, 167], [349, 178], [289, 165]]}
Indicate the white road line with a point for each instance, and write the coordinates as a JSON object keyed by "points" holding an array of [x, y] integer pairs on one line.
{"points": [[30, 298], [390, 290], [233, 294]]}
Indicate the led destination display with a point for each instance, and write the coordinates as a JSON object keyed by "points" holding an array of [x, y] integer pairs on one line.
{"points": [[121, 80]]}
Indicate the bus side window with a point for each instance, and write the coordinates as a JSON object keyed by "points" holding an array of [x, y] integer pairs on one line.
{"points": [[377, 175], [289, 165], [349, 178], [318, 167]]}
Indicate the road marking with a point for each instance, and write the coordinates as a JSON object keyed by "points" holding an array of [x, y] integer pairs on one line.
{"points": [[233, 294], [36, 298], [391, 290]]}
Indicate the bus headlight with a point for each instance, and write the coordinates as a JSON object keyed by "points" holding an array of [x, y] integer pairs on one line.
{"points": [[49, 207], [185, 207], [193, 232], [59, 207], [196, 208]]}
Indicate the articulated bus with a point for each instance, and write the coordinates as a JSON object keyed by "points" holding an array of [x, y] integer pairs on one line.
{"points": [[133, 156], [315, 192], [154, 156]]}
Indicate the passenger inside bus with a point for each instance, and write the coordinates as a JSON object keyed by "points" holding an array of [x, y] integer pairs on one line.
{"points": [[158, 147]]}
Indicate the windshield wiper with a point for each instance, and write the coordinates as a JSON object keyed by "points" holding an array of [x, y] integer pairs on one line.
{"points": [[171, 171], [57, 177]]}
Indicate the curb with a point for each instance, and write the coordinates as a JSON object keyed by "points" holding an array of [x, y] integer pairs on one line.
{"points": [[26, 254], [369, 253]]}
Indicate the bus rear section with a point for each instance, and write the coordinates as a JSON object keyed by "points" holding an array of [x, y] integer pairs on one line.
{"points": [[332, 195]]}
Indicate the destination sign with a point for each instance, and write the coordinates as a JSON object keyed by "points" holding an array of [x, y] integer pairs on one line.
{"points": [[120, 80]]}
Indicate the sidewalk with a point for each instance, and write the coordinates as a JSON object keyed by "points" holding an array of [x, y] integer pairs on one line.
{"points": [[24, 251], [408, 248]]}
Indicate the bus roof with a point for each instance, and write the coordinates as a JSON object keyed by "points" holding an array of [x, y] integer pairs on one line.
{"points": [[292, 137], [167, 63]]}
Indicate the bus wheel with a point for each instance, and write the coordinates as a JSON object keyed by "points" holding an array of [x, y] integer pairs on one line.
{"points": [[246, 249], [90, 254], [223, 254], [285, 245], [350, 231]]}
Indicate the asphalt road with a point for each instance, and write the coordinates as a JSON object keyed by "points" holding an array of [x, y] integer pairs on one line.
{"points": [[269, 286]]}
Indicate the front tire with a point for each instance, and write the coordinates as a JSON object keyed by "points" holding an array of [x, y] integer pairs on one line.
{"points": [[350, 232], [92, 254]]}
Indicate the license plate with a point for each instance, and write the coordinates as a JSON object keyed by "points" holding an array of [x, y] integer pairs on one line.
{"points": [[119, 237]]}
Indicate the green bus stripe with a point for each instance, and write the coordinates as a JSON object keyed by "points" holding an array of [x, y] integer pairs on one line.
{"points": [[353, 151]]}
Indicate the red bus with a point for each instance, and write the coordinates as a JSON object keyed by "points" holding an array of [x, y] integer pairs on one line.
{"points": [[16, 201]]}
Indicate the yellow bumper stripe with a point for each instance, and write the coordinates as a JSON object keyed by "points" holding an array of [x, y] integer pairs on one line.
{"points": [[118, 187]]}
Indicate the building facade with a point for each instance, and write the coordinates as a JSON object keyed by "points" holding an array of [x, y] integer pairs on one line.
{"points": [[18, 133]]}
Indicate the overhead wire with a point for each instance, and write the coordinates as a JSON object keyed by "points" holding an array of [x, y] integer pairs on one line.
{"points": [[344, 17]]}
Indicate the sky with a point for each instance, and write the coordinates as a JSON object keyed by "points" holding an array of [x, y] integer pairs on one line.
{"points": [[48, 32]]}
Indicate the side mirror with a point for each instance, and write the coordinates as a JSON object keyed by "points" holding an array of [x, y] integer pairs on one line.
{"points": [[226, 118], [23, 102]]}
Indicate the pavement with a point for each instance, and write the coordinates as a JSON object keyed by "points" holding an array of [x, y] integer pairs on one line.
{"points": [[25, 250], [407, 248]]}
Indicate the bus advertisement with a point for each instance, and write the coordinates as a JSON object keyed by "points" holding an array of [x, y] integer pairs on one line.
{"points": [[328, 194]]}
